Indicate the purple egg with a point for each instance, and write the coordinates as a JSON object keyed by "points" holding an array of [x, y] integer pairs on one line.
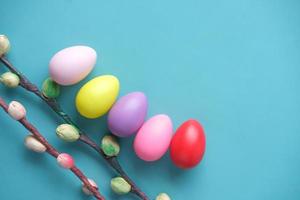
{"points": [[128, 114]]}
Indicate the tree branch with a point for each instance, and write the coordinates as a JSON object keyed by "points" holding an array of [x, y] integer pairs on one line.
{"points": [[52, 151]]}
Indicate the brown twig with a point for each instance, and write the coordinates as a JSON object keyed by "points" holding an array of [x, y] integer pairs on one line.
{"points": [[55, 106], [53, 152]]}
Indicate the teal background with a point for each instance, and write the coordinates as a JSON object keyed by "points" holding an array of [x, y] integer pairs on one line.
{"points": [[233, 65]]}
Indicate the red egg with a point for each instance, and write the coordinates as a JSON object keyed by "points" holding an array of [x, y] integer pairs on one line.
{"points": [[188, 144]]}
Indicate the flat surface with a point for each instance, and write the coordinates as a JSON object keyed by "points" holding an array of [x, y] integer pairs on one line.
{"points": [[233, 65]]}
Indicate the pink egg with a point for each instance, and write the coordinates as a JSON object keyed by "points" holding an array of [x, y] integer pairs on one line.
{"points": [[72, 64], [154, 137]]}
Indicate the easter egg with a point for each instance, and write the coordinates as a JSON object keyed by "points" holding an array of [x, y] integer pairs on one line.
{"points": [[97, 96], [128, 114], [153, 138], [188, 145], [72, 64]]}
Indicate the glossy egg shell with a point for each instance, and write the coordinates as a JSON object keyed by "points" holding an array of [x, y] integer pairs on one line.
{"points": [[97, 96], [128, 114], [153, 138], [72, 64], [188, 145]]}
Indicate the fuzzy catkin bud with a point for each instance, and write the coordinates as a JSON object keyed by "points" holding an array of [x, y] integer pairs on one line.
{"points": [[120, 186], [67, 132], [16, 110], [50, 88], [163, 196], [65, 160], [33, 144], [4, 45], [10, 79], [85, 188], [110, 146]]}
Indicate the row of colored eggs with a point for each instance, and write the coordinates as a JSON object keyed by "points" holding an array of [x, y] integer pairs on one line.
{"points": [[127, 115]]}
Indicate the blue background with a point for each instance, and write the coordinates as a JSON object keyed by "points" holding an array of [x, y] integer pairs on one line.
{"points": [[233, 65]]}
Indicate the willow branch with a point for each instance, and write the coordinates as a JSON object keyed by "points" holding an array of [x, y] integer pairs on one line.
{"points": [[53, 152], [55, 106]]}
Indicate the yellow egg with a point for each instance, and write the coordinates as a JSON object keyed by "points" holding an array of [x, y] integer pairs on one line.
{"points": [[97, 96]]}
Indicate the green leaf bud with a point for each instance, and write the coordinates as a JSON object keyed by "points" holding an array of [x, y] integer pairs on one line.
{"points": [[110, 146], [120, 186], [163, 196], [10, 79], [4, 45], [67, 132], [50, 88]]}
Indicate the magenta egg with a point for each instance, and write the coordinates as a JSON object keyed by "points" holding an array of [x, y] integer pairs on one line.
{"points": [[128, 114], [153, 139]]}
